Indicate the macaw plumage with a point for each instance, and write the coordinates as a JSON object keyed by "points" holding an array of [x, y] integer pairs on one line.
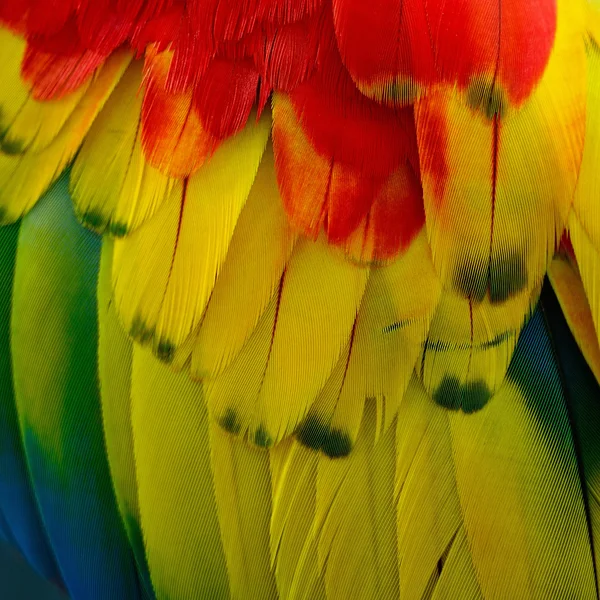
{"points": [[300, 299]]}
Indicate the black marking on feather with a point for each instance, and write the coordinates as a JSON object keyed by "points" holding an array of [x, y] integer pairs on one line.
{"points": [[470, 397], [262, 438], [316, 435], [140, 332], [404, 91], [119, 230], [470, 281], [230, 422], [485, 97], [93, 220], [11, 147], [508, 276], [165, 351]]}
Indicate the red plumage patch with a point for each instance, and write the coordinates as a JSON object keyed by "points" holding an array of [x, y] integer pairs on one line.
{"points": [[343, 159], [392, 48]]}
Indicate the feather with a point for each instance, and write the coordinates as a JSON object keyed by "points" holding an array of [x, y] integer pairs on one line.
{"points": [[518, 482], [261, 245], [132, 190], [161, 288], [354, 518], [431, 534], [584, 220], [27, 124], [390, 328], [469, 347], [401, 50], [293, 544], [489, 171], [17, 499], [346, 164], [173, 137], [587, 255], [53, 343], [243, 494], [176, 495], [114, 375], [25, 177], [568, 287], [294, 348], [584, 411]]}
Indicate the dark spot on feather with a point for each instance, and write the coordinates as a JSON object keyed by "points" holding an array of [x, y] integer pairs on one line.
{"points": [[165, 351], [448, 393], [93, 220], [119, 230], [475, 396], [12, 147], [140, 332], [469, 398], [229, 422], [401, 92], [471, 281], [484, 96], [262, 438], [316, 435], [3, 213], [508, 276]]}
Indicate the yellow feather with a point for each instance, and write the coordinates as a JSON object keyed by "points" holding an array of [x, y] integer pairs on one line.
{"points": [[430, 523], [469, 347], [114, 374], [588, 261], [294, 348], [164, 272], [569, 289], [293, 545], [520, 495], [131, 190], [355, 518], [390, 328], [176, 495], [260, 247], [27, 125], [243, 495], [494, 222], [25, 177]]}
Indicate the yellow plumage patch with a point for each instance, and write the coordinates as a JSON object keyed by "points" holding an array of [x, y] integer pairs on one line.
{"points": [[260, 247], [243, 494], [354, 518], [131, 190], [164, 272], [176, 497], [293, 542], [569, 289], [378, 362], [294, 348], [25, 177], [469, 347], [27, 125]]}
